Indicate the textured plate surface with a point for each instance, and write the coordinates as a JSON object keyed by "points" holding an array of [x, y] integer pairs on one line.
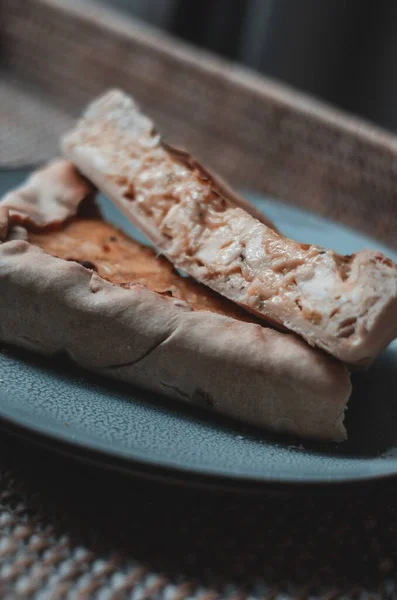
{"points": [[67, 404]]}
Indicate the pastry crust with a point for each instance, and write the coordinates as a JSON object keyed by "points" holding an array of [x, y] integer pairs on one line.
{"points": [[49, 196], [345, 305], [133, 334]]}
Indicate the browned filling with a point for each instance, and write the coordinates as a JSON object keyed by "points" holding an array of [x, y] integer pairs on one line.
{"points": [[121, 260]]}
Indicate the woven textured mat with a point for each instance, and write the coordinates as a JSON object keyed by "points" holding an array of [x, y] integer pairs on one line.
{"points": [[29, 127], [73, 532]]}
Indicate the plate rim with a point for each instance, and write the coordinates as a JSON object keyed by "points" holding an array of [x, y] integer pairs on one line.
{"points": [[52, 436], [180, 475]]}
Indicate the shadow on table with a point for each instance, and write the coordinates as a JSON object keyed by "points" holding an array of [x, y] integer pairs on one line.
{"points": [[371, 418], [306, 540]]}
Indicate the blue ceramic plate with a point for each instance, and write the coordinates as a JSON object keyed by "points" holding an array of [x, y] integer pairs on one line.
{"points": [[127, 428]]}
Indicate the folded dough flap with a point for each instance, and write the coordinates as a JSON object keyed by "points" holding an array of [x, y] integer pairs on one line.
{"points": [[121, 260], [49, 196]]}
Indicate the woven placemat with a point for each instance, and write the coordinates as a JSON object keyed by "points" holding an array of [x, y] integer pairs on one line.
{"points": [[30, 126], [69, 531]]}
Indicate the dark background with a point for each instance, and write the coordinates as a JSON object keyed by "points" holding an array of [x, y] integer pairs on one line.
{"points": [[343, 51]]}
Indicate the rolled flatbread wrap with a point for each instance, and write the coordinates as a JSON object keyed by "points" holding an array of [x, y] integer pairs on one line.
{"points": [[74, 284]]}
